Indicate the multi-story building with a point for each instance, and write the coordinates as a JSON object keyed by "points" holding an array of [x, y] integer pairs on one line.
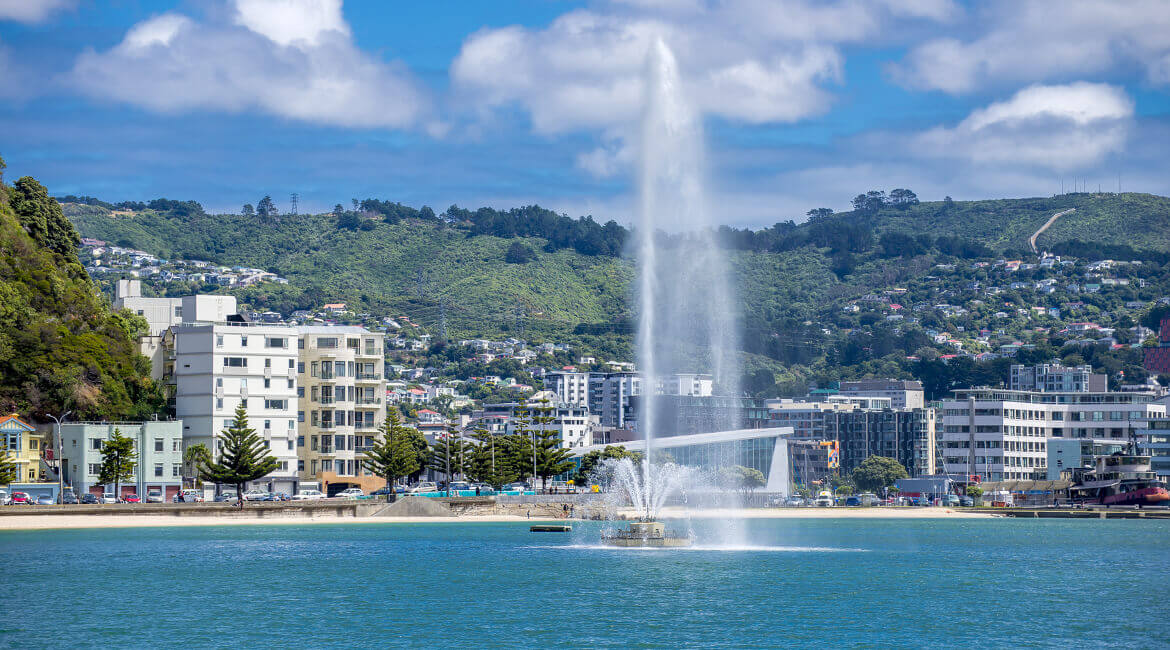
{"points": [[157, 444], [572, 424], [340, 394], [903, 394], [687, 384], [21, 443], [1156, 444], [163, 313], [1067, 454], [607, 394], [1002, 434], [677, 415], [218, 366], [1055, 378], [864, 427]]}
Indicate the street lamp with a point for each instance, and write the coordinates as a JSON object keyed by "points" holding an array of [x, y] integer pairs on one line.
{"points": [[60, 461]]}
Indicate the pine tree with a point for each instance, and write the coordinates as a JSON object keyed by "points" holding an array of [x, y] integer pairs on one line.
{"points": [[118, 460], [489, 463], [392, 455], [450, 454], [7, 467], [244, 457], [551, 457]]}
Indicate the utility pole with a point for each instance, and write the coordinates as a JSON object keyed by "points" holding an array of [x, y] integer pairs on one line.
{"points": [[60, 461], [292, 202]]}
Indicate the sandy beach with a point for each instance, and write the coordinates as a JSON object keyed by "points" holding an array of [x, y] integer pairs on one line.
{"points": [[67, 521]]}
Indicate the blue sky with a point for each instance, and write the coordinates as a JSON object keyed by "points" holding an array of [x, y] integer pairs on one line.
{"points": [[805, 103]]}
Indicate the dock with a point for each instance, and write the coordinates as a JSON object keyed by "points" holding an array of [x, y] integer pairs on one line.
{"points": [[1084, 513], [550, 528]]}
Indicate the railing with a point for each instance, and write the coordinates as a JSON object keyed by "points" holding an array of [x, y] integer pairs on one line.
{"points": [[327, 400], [368, 401], [368, 376]]}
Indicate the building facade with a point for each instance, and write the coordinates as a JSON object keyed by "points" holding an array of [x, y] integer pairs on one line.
{"points": [[1055, 378], [341, 392], [23, 446], [1002, 434], [1157, 445], [903, 393], [159, 449], [218, 366]]}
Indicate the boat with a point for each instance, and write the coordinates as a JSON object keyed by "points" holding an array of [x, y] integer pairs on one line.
{"points": [[1119, 480]]}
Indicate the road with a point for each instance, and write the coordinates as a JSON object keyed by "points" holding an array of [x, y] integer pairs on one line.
{"points": [[1032, 239]]}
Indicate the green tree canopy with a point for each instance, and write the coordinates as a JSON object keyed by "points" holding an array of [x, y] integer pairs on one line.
{"points": [[393, 454], [42, 218], [877, 472], [8, 469], [243, 457], [118, 460], [450, 454], [552, 458], [195, 457], [740, 478], [489, 461]]}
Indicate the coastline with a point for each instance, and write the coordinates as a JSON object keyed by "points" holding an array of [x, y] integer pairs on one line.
{"points": [[116, 520]]}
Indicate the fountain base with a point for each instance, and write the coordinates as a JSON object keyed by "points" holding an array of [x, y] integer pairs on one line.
{"points": [[645, 534]]}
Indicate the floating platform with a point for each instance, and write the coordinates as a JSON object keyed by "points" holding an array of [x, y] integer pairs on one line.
{"points": [[550, 528], [645, 534], [1085, 513]]}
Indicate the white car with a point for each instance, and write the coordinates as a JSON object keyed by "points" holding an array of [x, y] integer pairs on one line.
{"points": [[255, 495], [189, 496], [4, 498], [308, 495], [350, 493], [425, 486], [154, 496], [108, 497]]}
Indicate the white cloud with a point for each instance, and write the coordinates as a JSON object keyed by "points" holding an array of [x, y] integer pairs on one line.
{"points": [[1056, 127], [289, 58], [289, 21], [1037, 40], [755, 61], [31, 11]]}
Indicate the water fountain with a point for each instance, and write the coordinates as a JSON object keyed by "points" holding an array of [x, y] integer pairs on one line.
{"points": [[686, 315]]}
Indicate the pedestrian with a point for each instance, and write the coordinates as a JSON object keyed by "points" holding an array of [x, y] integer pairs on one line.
{"points": [[530, 514], [477, 490]]}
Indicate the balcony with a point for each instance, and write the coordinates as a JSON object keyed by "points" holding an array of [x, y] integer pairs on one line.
{"points": [[368, 376], [327, 400], [368, 401]]}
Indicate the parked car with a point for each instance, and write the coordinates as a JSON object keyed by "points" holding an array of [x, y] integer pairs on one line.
{"points": [[109, 497], [795, 502], [460, 486], [21, 499], [132, 498], [350, 493], [226, 497], [308, 495], [384, 491], [89, 498], [68, 497], [423, 487], [966, 502], [154, 496], [5, 499], [516, 487], [46, 500], [275, 496], [188, 496], [825, 499], [952, 501], [255, 494], [853, 501]]}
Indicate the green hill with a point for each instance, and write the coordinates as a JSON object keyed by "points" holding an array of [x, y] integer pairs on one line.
{"points": [[568, 284], [61, 348]]}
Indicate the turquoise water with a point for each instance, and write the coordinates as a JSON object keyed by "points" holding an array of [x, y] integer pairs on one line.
{"points": [[803, 583]]}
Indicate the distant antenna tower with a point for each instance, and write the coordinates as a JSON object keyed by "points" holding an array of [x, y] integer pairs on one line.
{"points": [[292, 202]]}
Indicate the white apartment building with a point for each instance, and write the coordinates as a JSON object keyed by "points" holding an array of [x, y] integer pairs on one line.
{"points": [[903, 394], [340, 393], [571, 387], [1003, 434], [163, 313], [1055, 378], [218, 366], [686, 384]]}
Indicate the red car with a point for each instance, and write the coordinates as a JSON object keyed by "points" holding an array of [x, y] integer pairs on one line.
{"points": [[132, 498], [22, 499]]}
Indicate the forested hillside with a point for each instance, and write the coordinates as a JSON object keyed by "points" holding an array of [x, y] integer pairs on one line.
{"points": [[533, 273], [61, 348]]}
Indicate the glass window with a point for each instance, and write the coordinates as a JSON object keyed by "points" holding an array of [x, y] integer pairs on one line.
{"points": [[158, 469], [219, 340], [244, 341], [158, 444]]}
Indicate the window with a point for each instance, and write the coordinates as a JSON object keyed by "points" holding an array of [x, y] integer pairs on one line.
{"points": [[290, 384], [95, 444], [301, 344], [95, 469], [158, 444], [313, 365], [267, 362], [326, 342], [268, 383], [300, 465], [219, 402], [158, 470], [300, 416], [244, 341], [219, 382], [313, 444], [290, 445], [244, 402], [227, 424], [178, 312], [291, 364], [300, 367], [279, 404], [219, 340], [175, 445], [175, 470], [276, 342], [313, 418], [300, 441], [313, 394], [314, 466], [235, 362]]}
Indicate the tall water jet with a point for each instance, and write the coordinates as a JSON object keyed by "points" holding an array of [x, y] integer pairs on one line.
{"points": [[686, 314]]}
